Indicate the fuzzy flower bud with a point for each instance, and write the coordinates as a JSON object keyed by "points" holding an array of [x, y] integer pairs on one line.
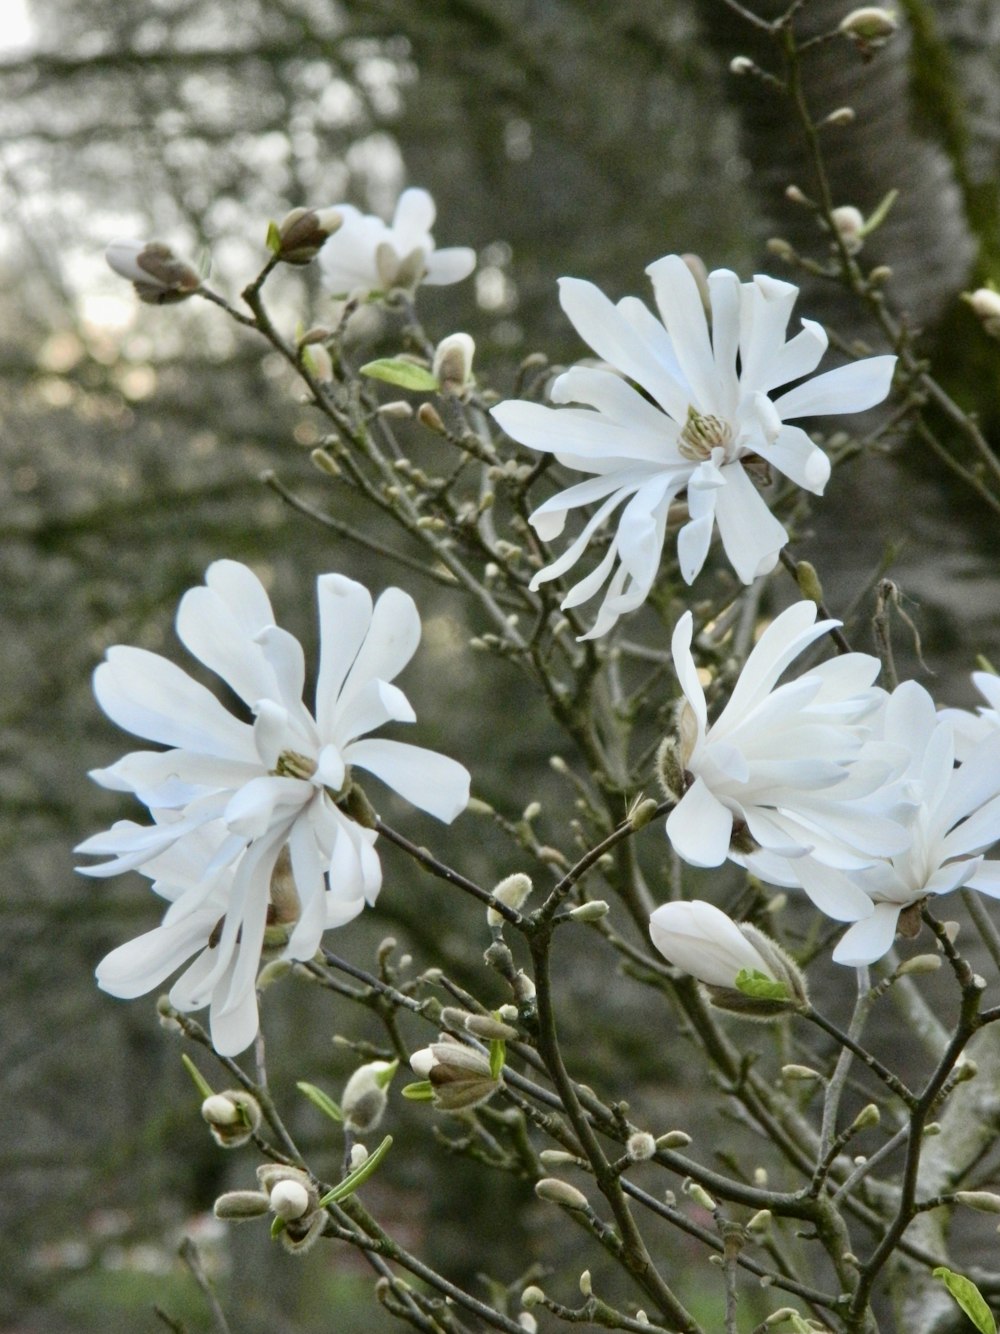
{"points": [[674, 1139], [740, 65], [850, 227], [985, 305], [238, 1205], [920, 963], [562, 1193], [700, 1195], [528, 1322], [460, 1076], [745, 971], [532, 1295], [805, 1073], [289, 1199], [364, 1098], [983, 1200], [153, 269], [867, 1118], [232, 1117], [841, 117], [452, 364], [869, 28], [640, 1147], [513, 891], [592, 911], [301, 234]]}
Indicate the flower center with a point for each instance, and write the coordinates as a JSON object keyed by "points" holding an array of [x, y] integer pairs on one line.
{"points": [[293, 765], [701, 434]]}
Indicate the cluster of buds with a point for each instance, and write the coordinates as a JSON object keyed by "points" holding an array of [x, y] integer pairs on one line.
{"points": [[233, 1116], [158, 276], [742, 969], [301, 234], [458, 1077], [286, 1192]]}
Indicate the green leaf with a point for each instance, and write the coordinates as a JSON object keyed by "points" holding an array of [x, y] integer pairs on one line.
{"points": [[754, 983], [277, 1227], [200, 1082], [356, 1178], [880, 214], [422, 1092], [273, 238], [969, 1298], [384, 1078], [498, 1054], [321, 1100], [403, 374]]}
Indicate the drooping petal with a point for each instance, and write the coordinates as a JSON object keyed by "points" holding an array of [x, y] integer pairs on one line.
{"points": [[751, 536], [801, 461], [700, 827], [141, 964], [870, 938]]}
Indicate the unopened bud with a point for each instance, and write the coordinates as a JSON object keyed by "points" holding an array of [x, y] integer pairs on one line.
{"points": [[528, 1322], [325, 462], [920, 963], [700, 1195], [359, 1156], [796, 196], [982, 1200], [592, 911], [489, 1029], [842, 116], [674, 1139], [398, 410], [452, 365], [557, 1157], [560, 1192], [155, 272], [740, 65], [364, 1099], [237, 1205], [985, 305], [301, 235], [232, 1117], [512, 891], [802, 1072], [641, 1146], [870, 25], [532, 1295], [964, 1071], [867, 1118], [289, 1200], [642, 812], [760, 1223], [808, 581], [428, 415], [849, 225]]}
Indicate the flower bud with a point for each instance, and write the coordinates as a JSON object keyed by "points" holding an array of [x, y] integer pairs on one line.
{"points": [[871, 24], [700, 1195], [428, 415], [850, 227], [867, 1118], [985, 305], [359, 1156], [673, 1139], [238, 1205], [489, 1029], [841, 117], [153, 269], [592, 911], [920, 963], [512, 891], [640, 1147], [452, 364], [805, 1073], [562, 1193], [557, 1157], [586, 1285], [760, 1222], [532, 1295], [740, 65], [302, 233], [745, 971], [232, 1117], [289, 1199], [983, 1200], [642, 812], [528, 1322], [364, 1098], [460, 1076]]}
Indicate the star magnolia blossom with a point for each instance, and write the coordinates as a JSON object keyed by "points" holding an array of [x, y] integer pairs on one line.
{"points": [[952, 816], [794, 767], [269, 785], [697, 423], [368, 255]]}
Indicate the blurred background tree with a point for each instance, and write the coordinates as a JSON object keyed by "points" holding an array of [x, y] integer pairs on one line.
{"points": [[557, 137]]}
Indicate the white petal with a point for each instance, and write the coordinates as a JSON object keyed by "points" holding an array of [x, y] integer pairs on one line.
{"points": [[145, 962], [700, 827], [795, 455], [265, 802], [427, 780], [286, 662], [767, 306], [685, 670], [833, 892], [870, 938], [150, 697], [415, 213], [391, 641], [851, 388], [799, 356], [751, 536], [680, 307], [449, 265], [345, 613]]}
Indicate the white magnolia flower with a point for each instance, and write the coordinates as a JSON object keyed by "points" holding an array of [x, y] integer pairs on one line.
{"points": [[701, 939], [268, 785], [971, 728], [368, 255], [690, 422], [790, 769], [952, 816]]}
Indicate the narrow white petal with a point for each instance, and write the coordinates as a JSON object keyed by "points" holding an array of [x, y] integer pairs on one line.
{"points": [[799, 458], [210, 630], [751, 536], [391, 641], [145, 962], [700, 827], [767, 307], [851, 388], [870, 938], [679, 304], [415, 213], [345, 613], [449, 265], [799, 356], [686, 671]]}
